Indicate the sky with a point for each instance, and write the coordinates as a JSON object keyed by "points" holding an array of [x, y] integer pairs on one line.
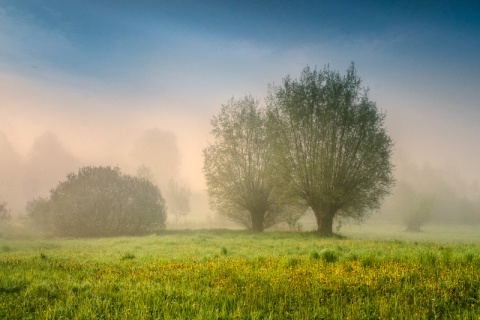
{"points": [[103, 82]]}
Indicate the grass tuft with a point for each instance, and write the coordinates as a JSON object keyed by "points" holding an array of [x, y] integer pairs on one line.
{"points": [[223, 251], [314, 255], [128, 256], [329, 256], [291, 262]]}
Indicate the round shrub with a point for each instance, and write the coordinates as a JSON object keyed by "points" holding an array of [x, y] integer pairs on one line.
{"points": [[100, 201]]}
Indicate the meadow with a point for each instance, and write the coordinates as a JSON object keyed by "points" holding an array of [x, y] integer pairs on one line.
{"points": [[226, 274]]}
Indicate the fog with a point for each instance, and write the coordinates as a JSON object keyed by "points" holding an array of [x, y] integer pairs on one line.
{"points": [[49, 132], [139, 87], [454, 199]]}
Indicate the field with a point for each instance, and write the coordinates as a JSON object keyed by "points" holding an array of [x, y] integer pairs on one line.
{"points": [[223, 274]]}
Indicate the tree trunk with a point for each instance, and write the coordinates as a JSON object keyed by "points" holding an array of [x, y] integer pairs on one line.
{"points": [[324, 221], [257, 221]]}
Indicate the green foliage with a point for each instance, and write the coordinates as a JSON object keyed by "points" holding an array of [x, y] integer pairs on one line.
{"points": [[314, 255], [40, 212], [329, 256], [88, 279], [100, 201], [128, 256], [4, 212], [291, 262], [332, 150], [238, 166]]}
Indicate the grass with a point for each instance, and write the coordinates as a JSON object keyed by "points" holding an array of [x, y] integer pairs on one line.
{"points": [[233, 274], [429, 233]]}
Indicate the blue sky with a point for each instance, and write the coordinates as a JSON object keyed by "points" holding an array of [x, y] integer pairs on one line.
{"points": [[99, 70]]}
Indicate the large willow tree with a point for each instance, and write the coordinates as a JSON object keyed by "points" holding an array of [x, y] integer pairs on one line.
{"points": [[331, 147], [237, 166]]}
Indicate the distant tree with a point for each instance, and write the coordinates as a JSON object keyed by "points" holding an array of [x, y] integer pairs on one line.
{"points": [[144, 172], [332, 150], [419, 213], [101, 201], [12, 174], [39, 211], [4, 212], [178, 199], [415, 207], [237, 166], [455, 200], [47, 163]]}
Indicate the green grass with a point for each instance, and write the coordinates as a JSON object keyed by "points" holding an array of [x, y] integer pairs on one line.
{"points": [[429, 233], [234, 274]]}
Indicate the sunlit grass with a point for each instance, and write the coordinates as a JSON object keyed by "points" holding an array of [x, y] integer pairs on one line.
{"points": [[232, 274]]}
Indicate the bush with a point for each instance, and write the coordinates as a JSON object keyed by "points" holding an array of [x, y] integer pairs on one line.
{"points": [[100, 201]]}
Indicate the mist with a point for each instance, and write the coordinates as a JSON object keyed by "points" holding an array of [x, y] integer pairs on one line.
{"points": [[454, 199], [158, 151], [139, 89], [53, 130], [49, 131]]}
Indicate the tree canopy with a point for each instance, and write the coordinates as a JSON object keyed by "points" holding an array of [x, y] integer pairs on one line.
{"points": [[100, 201], [331, 147], [237, 166]]}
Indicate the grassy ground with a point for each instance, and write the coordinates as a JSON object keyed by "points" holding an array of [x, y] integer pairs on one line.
{"points": [[430, 233], [234, 274]]}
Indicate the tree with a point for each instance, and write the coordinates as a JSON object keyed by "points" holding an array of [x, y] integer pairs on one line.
{"points": [[39, 211], [237, 166], [144, 172], [101, 201], [332, 150], [417, 208], [4, 212], [178, 199]]}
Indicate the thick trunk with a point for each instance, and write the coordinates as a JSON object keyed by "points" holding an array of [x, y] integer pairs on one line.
{"points": [[324, 221], [257, 221]]}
